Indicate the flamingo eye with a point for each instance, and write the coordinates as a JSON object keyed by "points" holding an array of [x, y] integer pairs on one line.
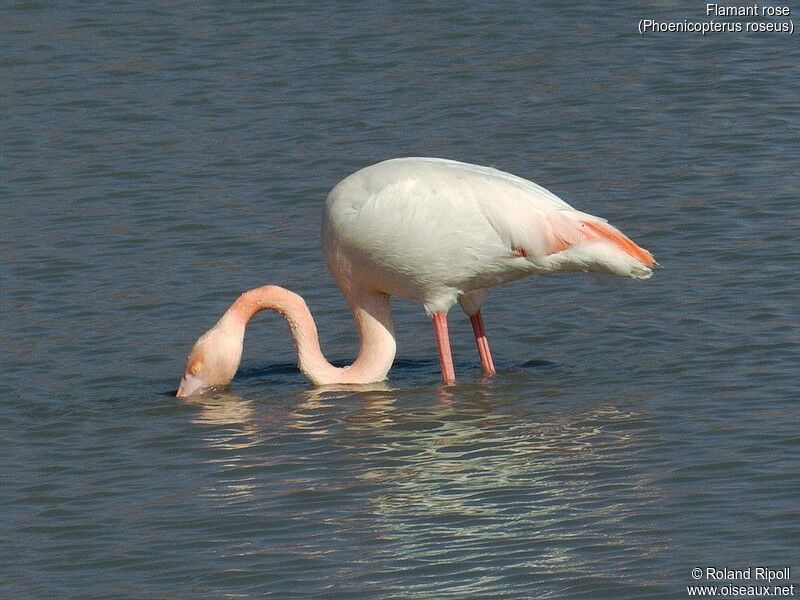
{"points": [[196, 368]]}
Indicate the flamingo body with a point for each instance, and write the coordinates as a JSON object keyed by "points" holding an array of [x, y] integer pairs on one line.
{"points": [[438, 230], [428, 229]]}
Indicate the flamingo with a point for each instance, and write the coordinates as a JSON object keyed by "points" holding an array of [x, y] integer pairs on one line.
{"points": [[428, 229]]}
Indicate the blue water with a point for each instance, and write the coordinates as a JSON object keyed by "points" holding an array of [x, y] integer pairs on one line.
{"points": [[160, 158]]}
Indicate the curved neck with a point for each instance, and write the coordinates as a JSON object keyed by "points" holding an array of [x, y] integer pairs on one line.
{"points": [[373, 320]]}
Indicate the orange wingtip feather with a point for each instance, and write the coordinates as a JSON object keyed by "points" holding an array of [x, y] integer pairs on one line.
{"points": [[602, 230]]}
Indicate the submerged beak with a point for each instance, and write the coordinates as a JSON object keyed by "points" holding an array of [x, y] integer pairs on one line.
{"points": [[189, 385]]}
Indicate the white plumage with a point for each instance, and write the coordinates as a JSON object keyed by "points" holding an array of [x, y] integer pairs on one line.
{"points": [[437, 230]]}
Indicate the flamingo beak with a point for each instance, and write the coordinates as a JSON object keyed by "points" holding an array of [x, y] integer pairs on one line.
{"points": [[190, 384]]}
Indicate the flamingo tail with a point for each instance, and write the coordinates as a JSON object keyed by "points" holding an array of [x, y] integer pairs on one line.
{"points": [[599, 230]]}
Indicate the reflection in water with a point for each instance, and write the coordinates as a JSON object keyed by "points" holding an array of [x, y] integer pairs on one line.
{"points": [[231, 430], [222, 409], [436, 475], [306, 416], [463, 480], [460, 478]]}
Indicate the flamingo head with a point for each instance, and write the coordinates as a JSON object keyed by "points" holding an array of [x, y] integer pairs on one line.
{"points": [[213, 361]]}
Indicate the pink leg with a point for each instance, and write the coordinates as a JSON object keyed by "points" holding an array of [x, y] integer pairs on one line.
{"points": [[443, 346], [483, 343]]}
